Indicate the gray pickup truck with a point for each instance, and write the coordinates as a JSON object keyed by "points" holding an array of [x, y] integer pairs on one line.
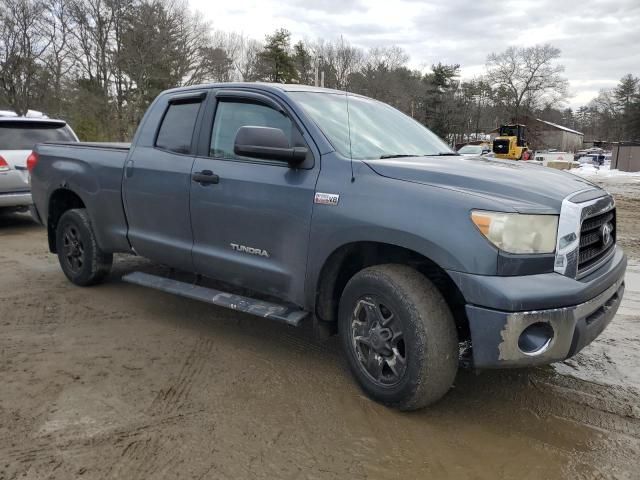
{"points": [[342, 209]]}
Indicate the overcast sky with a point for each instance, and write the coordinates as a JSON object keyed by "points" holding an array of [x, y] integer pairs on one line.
{"points": [[600, 40]]}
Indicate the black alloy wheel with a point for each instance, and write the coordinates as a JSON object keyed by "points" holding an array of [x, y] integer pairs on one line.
{"points": [[73, 248], [378, 341]]}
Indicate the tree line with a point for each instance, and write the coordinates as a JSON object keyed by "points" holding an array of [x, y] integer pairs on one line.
{"points": [[99, 63]]}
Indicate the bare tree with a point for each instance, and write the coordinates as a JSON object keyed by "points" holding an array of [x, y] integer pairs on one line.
{"points": [[338, 60], [190, 36], [343, 59], [390, 58], [243, 52], [22, 46], [607, 115], [527, 76], [92, 31], [58, 59], [382, 74]]}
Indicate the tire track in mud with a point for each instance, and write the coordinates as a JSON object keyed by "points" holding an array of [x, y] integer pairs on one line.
{"points": [[141, 458], [42, 451], [589, 403], [170, 400], [141, 443], [146, 455]]}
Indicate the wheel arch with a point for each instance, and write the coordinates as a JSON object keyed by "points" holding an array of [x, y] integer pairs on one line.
{"points": [[347, 260], [60, 201]]}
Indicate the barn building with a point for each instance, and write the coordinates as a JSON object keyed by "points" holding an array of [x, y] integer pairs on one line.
{"points": [[544, 135]]}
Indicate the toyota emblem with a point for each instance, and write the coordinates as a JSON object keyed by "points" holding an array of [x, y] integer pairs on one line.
{"points": [[605, 233]]}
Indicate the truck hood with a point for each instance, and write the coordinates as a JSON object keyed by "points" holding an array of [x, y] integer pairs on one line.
{"points": [[523, 187]]}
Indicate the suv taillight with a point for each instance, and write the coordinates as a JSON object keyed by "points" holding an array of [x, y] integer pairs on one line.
{"points": [[4, 166], [32, 159]]}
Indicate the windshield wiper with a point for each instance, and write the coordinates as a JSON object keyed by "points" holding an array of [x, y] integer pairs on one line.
{"points": [[402, 155], [397, 155]]}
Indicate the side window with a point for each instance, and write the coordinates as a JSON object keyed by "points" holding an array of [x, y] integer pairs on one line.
{"points": [[230, 116], [176, 130]]}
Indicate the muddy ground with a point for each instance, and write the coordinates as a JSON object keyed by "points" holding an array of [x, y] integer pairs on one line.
{"points": [[118, 381]]}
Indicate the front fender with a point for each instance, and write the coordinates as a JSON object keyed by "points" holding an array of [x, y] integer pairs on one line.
{"points": [[432, 221]]}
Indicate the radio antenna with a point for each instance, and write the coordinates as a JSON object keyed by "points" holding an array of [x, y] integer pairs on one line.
{"points": [[346, 96]]}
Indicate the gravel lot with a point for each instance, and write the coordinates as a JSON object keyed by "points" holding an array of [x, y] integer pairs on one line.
{"points": [[118, 381]]}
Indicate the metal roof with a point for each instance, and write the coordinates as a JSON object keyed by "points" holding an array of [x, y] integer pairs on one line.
{"points": [[560, 127]]}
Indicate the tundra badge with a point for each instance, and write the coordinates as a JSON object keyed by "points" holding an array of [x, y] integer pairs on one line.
{"points": [[251, 250]]}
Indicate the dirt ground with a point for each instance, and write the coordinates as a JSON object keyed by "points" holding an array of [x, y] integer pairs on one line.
{"points": [[118, 381]]}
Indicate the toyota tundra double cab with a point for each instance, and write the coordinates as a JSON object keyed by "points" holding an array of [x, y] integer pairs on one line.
{"points": [[338, 208]]}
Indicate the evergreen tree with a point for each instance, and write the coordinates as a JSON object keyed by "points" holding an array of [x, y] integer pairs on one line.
{"points": [[303, 64], [276, 64]]}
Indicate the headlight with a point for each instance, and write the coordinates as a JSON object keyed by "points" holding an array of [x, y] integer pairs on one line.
{"points": [[518, 233]]}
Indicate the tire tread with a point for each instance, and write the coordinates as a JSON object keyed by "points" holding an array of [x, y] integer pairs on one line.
{"points": [[435, 330], [99, 261]]}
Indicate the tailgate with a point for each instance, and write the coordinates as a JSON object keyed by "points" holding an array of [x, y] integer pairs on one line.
{"points": [[16, 179], [16, 158]]}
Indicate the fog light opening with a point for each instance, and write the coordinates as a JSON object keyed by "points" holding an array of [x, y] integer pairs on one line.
{"points": [[535, 339]]}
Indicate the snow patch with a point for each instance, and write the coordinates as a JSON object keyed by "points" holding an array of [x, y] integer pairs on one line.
{"points": [[590, 170]]}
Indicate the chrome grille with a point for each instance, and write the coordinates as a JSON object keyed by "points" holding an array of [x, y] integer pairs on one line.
{"points": [[595, 242], [580, 248]]}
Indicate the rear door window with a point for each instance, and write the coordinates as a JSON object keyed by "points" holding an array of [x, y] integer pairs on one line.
{"points": [[178, 124], [25, 135]]}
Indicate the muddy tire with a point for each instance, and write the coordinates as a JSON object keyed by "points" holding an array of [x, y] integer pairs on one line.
{"points": [[399, 336], [81, 259]]}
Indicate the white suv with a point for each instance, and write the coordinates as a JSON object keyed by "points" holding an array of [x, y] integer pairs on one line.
{"points": [[18, 136]]}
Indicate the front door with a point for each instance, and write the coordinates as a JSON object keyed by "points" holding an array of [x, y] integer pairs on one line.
{"points": [[251, 228], [157, 183]]}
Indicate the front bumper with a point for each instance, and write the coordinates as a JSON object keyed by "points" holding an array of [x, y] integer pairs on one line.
{"points": [[496, 333]]}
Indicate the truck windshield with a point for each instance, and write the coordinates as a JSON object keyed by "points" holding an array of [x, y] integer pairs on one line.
{"points": [[377, 130], [23, 135]]}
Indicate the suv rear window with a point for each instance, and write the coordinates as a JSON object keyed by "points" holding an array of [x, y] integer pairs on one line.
{"points": [[25, 135]]}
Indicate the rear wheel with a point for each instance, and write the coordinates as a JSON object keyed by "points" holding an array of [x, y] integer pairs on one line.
{"points": [[81, 259], [399, 336]]}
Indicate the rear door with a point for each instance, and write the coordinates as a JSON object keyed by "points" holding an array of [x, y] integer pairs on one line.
{"points": [[251, 228], [157, 181]]}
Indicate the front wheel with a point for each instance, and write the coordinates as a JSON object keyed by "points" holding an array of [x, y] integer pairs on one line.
{"points": [[399, 336], [79, 255]]}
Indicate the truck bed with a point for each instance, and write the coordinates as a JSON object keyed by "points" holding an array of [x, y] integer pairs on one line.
{"points": [[93, 171]]}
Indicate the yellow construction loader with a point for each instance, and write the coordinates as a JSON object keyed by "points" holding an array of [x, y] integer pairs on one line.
{"points": [[511, 143]]}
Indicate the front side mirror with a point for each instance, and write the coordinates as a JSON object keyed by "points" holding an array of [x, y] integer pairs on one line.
{"points": [[267, 143]]}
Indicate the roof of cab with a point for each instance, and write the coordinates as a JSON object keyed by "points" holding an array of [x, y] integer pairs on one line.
{"points": [[283, 87]]}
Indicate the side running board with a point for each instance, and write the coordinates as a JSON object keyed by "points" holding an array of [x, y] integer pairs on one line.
{"points": [[260, 308]]}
